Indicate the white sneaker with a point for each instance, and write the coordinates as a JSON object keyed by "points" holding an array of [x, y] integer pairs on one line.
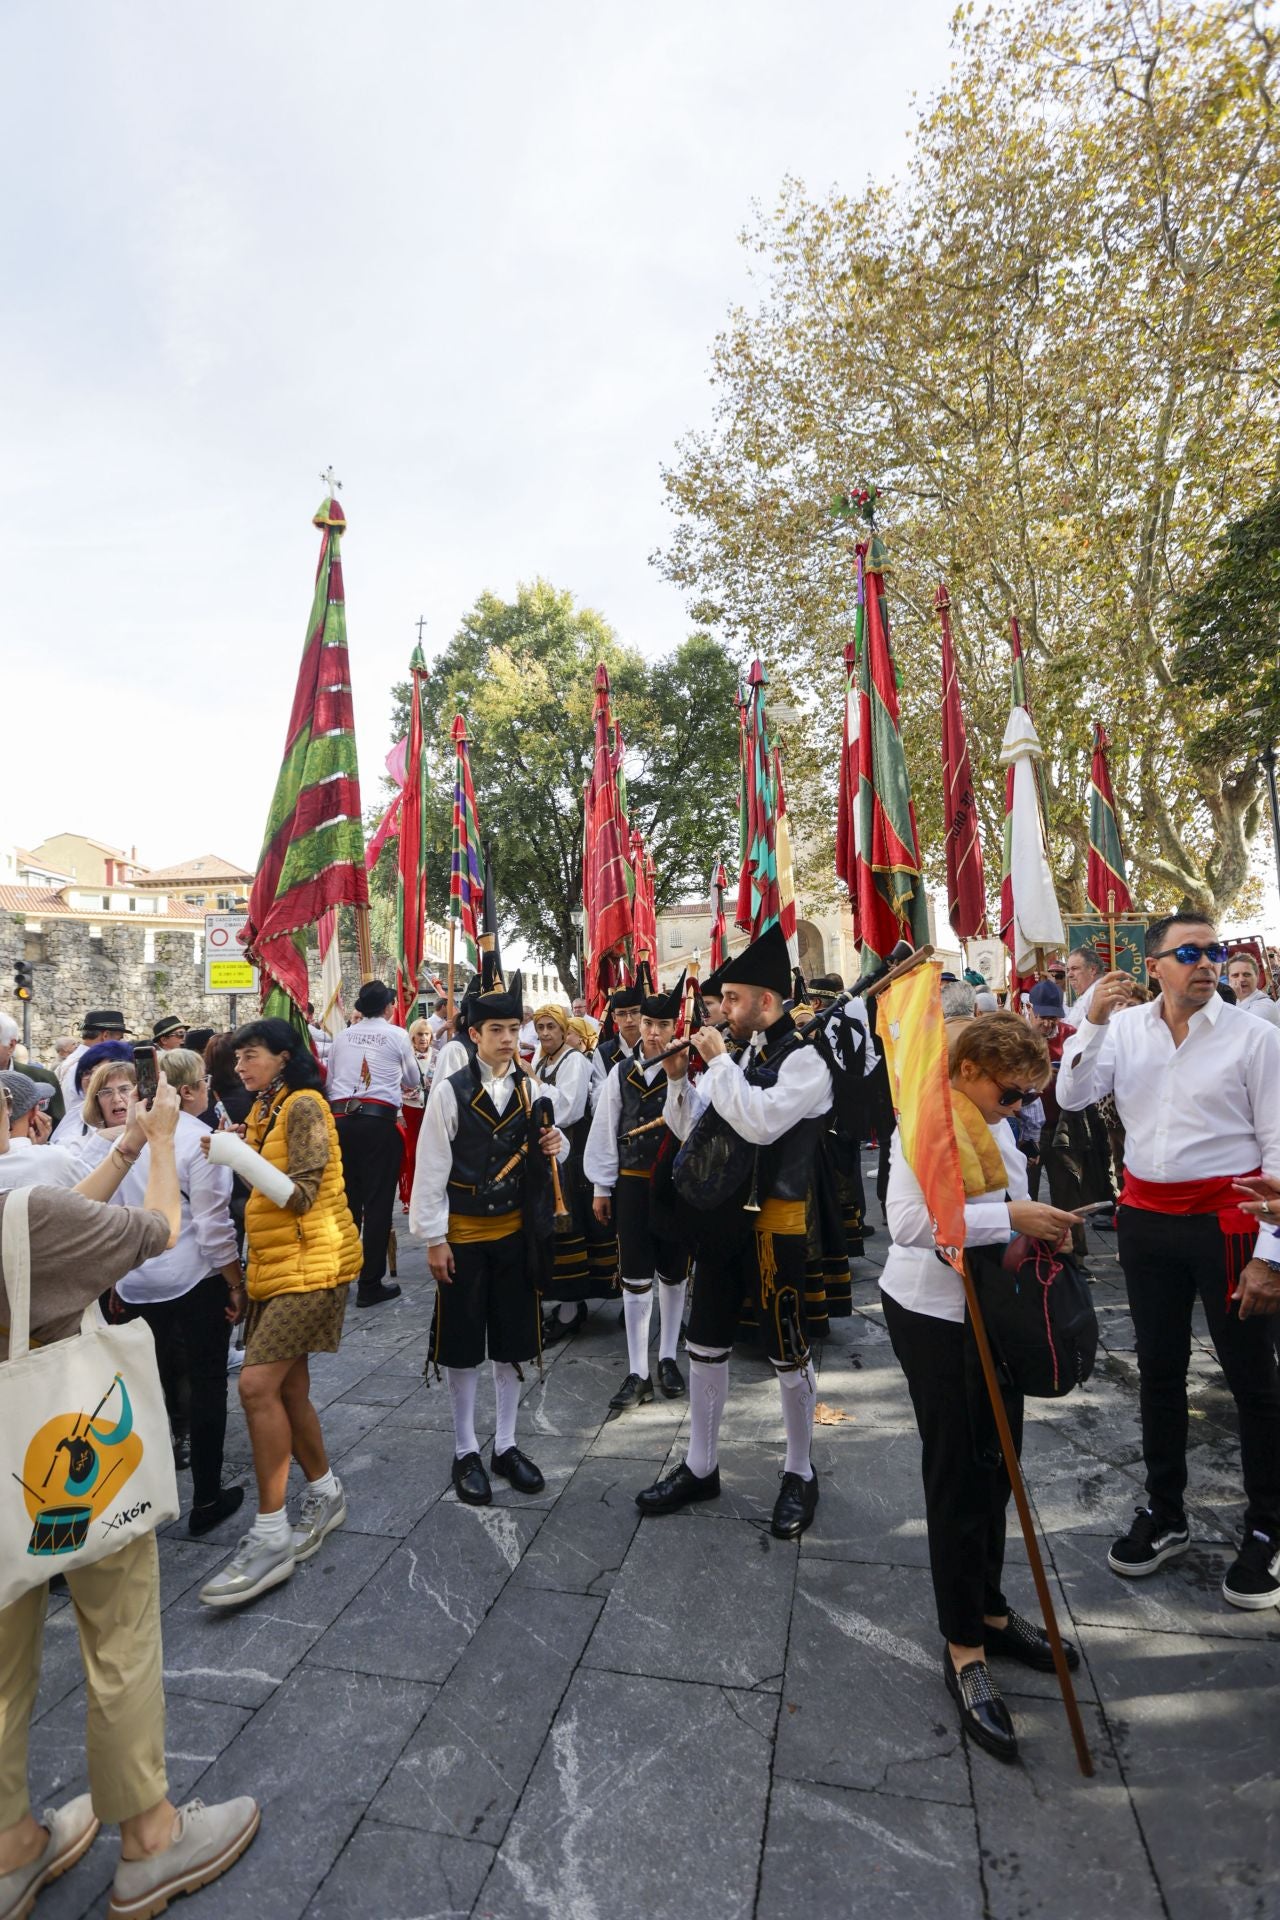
{"points": [[321, 1513], [254, 1567], [206, 1841], [71, 1830]]}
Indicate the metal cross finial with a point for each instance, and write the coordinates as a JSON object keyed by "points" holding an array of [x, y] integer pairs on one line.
{"points": [[334, 486], [422, 621]]}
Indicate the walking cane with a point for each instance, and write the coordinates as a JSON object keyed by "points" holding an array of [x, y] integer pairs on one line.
{"points": [[1013, 1466]]}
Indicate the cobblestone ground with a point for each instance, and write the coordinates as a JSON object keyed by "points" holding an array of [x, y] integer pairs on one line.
{"points": [[549, 1708]]}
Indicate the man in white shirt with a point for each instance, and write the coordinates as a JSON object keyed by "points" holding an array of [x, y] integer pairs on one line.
{"points": [[580, 1012], [471, 1187], [1242, 978], [30, 1162], [622, 1147], [1084, 970], [1197, 1087], [372, 1064], [772, 1100]]}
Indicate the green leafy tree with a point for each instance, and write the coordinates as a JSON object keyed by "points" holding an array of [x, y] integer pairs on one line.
{"points": [[1048, 345], [522, 673], [1229, 627]]}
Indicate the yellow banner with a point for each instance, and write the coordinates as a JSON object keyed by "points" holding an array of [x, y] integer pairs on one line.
{"points": [[910, 1028]]}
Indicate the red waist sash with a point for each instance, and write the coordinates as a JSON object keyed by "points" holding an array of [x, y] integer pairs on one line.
{"points": [[1215, 1195]]}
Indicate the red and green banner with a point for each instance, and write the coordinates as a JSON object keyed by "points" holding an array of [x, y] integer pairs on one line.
{"points": [[312, 854], [880, 841], [607, 880], [411, 862], [466, 874], [758, 899], [719, 887], [1106, 883], [966, 885], [644, 916]]}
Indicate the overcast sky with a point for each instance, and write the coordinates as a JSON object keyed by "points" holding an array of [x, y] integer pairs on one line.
{"points": [[474, 257]]}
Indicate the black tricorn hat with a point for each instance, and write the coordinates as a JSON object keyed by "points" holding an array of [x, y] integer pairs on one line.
{"points": [[710, 987], [765, 963], [664, 1006], [626, 997], [497, 1003], [104, 1020]]}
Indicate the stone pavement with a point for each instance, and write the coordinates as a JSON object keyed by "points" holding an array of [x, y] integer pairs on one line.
{"points": [[548, 1708]]}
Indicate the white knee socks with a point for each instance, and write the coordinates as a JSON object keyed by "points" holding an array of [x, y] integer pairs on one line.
{"points": [[708, 1391], [799, 1396], [506, 1388], [637, 1311], [462, 1398], [670, 1314]]}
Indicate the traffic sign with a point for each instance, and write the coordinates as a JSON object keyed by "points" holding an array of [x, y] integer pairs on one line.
{"points": [[226, 969]]}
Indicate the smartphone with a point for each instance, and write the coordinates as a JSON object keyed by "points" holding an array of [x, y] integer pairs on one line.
{"points": [[144, 1066]]}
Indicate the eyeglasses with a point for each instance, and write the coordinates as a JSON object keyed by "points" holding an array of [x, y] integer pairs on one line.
{"points": [[1014, 1096], [1188, 954]]}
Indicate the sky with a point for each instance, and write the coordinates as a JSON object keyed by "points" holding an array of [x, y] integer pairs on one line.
{"points": [[473, 258]]}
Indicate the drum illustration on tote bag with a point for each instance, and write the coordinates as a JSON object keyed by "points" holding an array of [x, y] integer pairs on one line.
{"points": [[81, 1460]]}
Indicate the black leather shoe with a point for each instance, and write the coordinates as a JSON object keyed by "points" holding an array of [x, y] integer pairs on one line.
{"points": [[677, 1490], [794, 1507], [554, 1328], [201, 1518], [983, 1714], [634, 1391], [518, 1469], [868, 1231], [375, 1295], [671, 1380], [1029, 1644], [470, 1481]]}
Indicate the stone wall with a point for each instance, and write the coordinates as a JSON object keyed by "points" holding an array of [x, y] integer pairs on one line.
{"points": [[74, 971]]}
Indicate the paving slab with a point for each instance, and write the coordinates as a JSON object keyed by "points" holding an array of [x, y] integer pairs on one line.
{"points": [[388, 1874], [698, 1599], [628, 1814], [465, 1768], [865, 1856], [582, 1544]]}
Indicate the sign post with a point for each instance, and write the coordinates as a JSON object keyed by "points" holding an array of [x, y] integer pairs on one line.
{"points": [[226, 970]]}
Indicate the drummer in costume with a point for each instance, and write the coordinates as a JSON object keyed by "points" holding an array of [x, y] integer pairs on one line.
{"points": [[626, 1133], [481, 1203], [586, 1256], [773, 1100]]}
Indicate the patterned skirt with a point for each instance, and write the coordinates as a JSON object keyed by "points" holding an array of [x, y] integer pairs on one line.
{"points": [[289, 1326]]}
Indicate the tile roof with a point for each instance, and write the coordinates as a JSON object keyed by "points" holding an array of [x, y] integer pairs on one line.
{"points": [[202, 866], [46, 903]]}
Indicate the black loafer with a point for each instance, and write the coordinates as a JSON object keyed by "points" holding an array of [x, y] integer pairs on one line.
{"points": [[375, 1295], [677, 1490], [554, 1328], [201, 1518], [671, 1380], [983, 1714], [1026, 1643], [518, 1469], [470, 1481], [794, 1507], [634, 1391]]}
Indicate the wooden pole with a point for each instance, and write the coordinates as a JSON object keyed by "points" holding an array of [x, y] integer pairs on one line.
{"points": [[1084, 1758], [1111, 924], [448, 1004], [364, 945]]}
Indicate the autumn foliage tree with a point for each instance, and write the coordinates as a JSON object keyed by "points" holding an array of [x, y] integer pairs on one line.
{"points": [[1048, 346]]}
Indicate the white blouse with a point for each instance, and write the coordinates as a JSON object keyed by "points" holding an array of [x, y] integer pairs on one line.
{"points": [[915, 1274]]}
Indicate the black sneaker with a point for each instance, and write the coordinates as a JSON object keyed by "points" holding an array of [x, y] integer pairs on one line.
{"points": [[1147, 1545], [1252, 1580]]}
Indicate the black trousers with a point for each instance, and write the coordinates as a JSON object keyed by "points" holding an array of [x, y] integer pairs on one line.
{"points": [[643, 1252], [1168, 1259], [489, 1307], [192, 1334], [371, 1150], [733, 1269], [966, 1485]]}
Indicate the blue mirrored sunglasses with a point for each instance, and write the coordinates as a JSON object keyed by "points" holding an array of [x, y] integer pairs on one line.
{"points": [[1189, 954]]}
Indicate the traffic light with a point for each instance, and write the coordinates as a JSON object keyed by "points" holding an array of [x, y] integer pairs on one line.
{"points": [[24, 984]]}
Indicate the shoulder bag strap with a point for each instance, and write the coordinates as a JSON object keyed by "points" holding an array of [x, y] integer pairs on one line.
{"points": [[15, 1250]]}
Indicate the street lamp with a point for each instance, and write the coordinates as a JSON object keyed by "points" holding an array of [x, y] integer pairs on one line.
{"points": [[576, 916]]}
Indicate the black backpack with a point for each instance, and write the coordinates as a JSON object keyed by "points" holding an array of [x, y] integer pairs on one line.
{"points": [[1039, 1315]]}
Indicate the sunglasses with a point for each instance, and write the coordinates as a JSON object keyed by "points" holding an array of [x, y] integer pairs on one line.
{"points": [[1014, 1096], [1189, 954]]}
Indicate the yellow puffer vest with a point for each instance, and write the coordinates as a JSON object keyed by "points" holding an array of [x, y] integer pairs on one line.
{"points": [[298, 1252]]}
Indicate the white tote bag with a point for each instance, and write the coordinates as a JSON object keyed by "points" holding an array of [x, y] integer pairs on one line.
{"points": [[88, 1461]]}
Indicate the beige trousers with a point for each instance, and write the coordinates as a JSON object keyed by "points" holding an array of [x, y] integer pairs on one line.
{"points": [[117, 1605]]}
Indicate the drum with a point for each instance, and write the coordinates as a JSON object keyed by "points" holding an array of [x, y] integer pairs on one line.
{"points": [[60, 1530]]}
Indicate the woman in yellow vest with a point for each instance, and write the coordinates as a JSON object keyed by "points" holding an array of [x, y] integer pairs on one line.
{"points": [[302, 1254]]}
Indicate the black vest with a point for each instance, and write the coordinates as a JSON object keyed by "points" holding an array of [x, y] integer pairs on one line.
{"points": [[483, 1145], [641, 1102], [610, 1051], [786, 1165]]}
